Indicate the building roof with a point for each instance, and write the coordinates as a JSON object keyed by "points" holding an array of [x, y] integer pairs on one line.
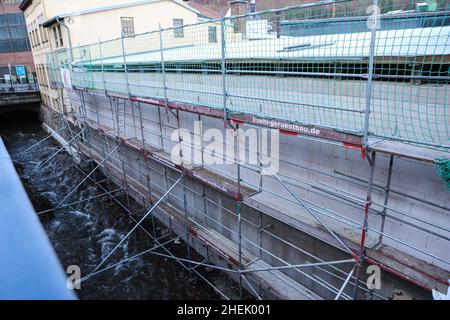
{"points": [[198, 9], [24, 4], [348, 47], [52, 21], [204, 11]]}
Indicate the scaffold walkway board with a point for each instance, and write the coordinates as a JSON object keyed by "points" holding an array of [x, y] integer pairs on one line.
{"points": [[333, 107], [400, 263], [405, 150], [405, 266], [281, 284], [278, 282], [201, 174], [296, 218], [349, 140]]}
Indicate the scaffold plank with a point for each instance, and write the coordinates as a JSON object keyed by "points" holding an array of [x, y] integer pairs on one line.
{"points": [[412, 269], [417, 271], [203, 175], [409, 151]]}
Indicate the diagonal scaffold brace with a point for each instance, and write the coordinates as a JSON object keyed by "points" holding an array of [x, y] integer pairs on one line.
{"points": [[64, 146], [87, 177], [299, 200], [138, 224]]}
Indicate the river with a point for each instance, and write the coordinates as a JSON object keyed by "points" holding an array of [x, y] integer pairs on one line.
{"points": [[84, 233]]}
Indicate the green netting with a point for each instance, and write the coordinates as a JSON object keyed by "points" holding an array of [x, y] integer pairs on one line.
{"points": [[443, 170], [308, 64]]}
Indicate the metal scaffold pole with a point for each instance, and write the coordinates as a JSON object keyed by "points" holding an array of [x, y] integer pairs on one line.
{"points": [[59, 150], [387, 190], [365, 224], [163, 69], [87, 177], [141, 125], [369, 86], [237, 149], [138, 224]]}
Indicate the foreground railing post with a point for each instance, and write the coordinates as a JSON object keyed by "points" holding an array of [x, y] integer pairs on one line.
{"points": [[374, 24], [365, 223]]}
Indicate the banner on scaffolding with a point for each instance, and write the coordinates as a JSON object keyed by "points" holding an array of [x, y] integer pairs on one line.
{"points": [[66, 80]]}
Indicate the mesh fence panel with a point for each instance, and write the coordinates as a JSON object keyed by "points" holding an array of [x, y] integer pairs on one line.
{"points": [[192, 57], [309, 64], [143, 57], [293, 67]]}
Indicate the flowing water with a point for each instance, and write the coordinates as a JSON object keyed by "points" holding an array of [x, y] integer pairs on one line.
{"points": [[85, 232]]}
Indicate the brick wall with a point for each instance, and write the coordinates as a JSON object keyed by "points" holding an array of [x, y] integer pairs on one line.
{"points": [[11, 6], [14, 58], [17, 58], [219, 5]]}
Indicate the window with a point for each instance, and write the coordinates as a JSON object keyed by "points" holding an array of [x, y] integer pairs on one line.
{"points": [[43, 34], [20, 45], [40, 29], [57, 33], [61, 42], [4, 33], [35, 37], [46, 75], [36, 30], [127, 24], [18, 32], [212, 34], [5, 46], [178, 31], [12, 19]]}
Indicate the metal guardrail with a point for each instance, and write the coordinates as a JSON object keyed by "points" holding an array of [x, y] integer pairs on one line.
{"points": [[29, 267], [18, 87]]}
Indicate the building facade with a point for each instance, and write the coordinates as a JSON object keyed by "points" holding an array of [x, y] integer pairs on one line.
{"points": [[16, 60], [339, 9], [55, 25]]}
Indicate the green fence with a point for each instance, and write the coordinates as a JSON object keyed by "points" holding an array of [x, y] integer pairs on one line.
{"points": [[371, 68]]}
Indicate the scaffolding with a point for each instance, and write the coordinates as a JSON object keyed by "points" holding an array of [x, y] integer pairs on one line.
{"points": [[378, 93]]}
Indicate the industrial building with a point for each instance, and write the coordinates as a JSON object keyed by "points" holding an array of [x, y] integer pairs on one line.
{"points": [[16, 60], [360, 120]]}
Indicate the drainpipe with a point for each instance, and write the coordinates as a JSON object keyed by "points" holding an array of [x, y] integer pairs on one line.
{"points": [[252, 8], [68, 33]]}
